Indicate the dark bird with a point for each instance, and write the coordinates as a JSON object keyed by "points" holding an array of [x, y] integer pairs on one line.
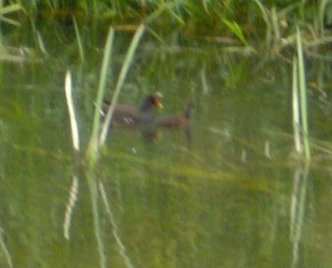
{"points": [[181, 121], [178, 121], [130, 115]]}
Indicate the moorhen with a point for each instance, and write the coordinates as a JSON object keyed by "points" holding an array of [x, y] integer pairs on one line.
{"points": [[129, 115], [178, 121], [181, 121]]}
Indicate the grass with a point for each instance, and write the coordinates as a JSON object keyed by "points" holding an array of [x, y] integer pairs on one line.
{"points": [[79, 40], [122, 76], [6, 11], [4, 249], [300, 107], [303, 95], [239, 20], [96, 140], [236, 29]]}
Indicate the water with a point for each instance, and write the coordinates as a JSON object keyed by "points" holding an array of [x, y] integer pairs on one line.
{"points": [[231, 197]]}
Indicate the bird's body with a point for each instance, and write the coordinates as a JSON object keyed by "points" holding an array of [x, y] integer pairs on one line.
{"points": [[129, 115], [177, 121]]}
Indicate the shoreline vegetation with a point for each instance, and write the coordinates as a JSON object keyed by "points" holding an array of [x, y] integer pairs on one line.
{"points": [[253, 24]]}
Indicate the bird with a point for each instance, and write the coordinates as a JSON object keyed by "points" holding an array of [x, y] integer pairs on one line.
{"points": [[181, 121], [177, 121], [129, 115]]}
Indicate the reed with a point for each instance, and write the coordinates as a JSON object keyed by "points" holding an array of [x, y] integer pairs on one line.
{"points": [[79, 40], [296, 109], [4, 249], [8, 10], [236, 29], [93, 148], [122, 76], [300, 107], [303, 95], [93, 143], [322, 10], [266, 19], [90, 175], [97, 141], [204, 17]]}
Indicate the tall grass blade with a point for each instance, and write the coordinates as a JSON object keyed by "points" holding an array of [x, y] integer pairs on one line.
{"points": [[296, 109], [235, 29], [10, 9], [5, 249], [171, 11], [92, 151], [205, 4], [124, 70], [10, 21], [160, 10], [265, 15], [72, 117], [303, 95], [275, 24], [205, 86], [115, 4], [321, 14], [41, 43], [93, 143], [93, 147], [79, 40]]}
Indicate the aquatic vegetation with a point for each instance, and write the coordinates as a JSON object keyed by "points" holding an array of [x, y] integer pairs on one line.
{"points": [[282, 23], [235, 28], [6, 11], [240, 21], [97, 140], [300, 108]]}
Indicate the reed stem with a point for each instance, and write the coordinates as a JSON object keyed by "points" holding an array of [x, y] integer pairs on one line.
{"points": [[124, 70]]}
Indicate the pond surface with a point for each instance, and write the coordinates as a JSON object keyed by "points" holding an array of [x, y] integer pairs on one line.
{"points": [[231, 196]]}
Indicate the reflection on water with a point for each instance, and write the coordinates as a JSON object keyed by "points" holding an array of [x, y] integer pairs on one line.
{"points": [[218, 192]]}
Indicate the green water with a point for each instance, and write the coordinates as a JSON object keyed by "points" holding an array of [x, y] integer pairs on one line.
{"points": [[233, 196]]}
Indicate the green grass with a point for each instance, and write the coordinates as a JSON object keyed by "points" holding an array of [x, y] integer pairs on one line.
{"points": [[93, 147], [303, 95], [240, 20], [79, 40], [6, 11], [300, 107], [121, 79], [4, 249], [96, 139]]}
